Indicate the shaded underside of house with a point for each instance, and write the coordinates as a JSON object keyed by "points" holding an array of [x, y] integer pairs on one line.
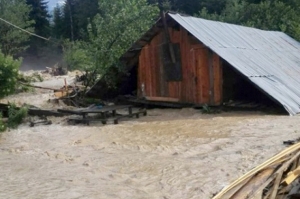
{"points": [[268, 60]]}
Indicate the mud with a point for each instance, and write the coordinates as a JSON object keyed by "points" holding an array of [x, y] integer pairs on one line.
{"points": [[168, 154]]}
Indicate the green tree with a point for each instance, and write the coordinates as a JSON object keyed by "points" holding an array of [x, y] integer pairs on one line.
{"points": [[117, 26], [75, 16], [84, 12], [58, 24], [268, 15], [12, 40], [39, 14], [191, 7], [68, 19]]}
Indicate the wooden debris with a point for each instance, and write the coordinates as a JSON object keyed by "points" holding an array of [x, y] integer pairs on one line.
{"points": [[63, 93], [103, 114], [162, 99], [56, 70], [253, 184], [44, 121], [274, 179], [292, 176], [43, 112]]}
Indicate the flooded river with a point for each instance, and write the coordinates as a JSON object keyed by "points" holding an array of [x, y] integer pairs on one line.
{"points": [[169, 154]]}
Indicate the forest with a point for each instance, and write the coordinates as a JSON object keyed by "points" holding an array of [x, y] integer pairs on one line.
{"points": [[91, 35]]}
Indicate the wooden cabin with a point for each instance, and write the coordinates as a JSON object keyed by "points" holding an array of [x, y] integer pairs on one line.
{"points": [[189, 60], [194, 77]]}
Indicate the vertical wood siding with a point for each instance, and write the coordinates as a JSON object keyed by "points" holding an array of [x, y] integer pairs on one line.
{"points": [[198, 86]]}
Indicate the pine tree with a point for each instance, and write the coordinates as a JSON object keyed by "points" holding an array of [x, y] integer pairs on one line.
{"points": [[68, 19], [76, 16], [58, 26], [40, 15]]}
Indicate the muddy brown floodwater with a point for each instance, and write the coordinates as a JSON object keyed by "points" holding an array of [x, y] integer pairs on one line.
{"points": [[169, 154]]}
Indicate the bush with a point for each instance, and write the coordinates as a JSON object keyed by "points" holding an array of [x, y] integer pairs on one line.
{"points": [[8, 74], [16, 115]]}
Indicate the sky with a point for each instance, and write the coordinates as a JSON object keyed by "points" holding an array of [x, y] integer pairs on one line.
{"points": [[52, 3]]}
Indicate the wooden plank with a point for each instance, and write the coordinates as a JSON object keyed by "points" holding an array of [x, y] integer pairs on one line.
{"points": [[291, 177], [197, 57], [197, 77], [253, 184], [211, 78], [203, 76], [86, 120], [171, 84], [151, 71], [193, 76], [217, 79], [277, 159], [144, 80], [162, 99], [184, 64], [147, 71], [158, 40], [177, 39], [221, 79], [190, 76], [107, 108], [140, 74]]}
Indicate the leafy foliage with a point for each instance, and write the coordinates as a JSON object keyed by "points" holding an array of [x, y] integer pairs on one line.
{"points": [[16, 115], [191, 7], [8, 74], [268, 15], [12, 40], [110, 33]]}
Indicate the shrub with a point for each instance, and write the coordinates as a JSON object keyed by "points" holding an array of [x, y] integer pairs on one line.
{"points": [[16, 115], [208, 110], [8, 74]]}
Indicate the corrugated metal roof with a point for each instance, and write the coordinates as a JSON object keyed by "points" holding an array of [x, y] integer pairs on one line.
{"points": [[270, 59]]}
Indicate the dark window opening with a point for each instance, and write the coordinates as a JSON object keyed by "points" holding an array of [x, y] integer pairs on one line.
{"points": [[172, 68]]}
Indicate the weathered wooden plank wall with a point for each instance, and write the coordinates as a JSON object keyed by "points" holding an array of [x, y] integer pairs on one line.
{"points": [[197, 85]]}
